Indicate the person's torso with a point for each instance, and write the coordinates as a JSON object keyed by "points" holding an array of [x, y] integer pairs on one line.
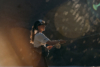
{"points": [[36, 42]]}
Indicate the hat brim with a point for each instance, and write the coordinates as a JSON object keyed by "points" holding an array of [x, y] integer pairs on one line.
{"points": [[44, 24]]}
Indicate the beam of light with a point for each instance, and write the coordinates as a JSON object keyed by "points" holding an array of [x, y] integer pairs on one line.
{"points": [[16, 50], [7, 55], [23, 48]]}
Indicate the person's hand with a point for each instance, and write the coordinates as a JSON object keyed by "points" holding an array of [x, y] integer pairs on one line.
{"points": [[49, 47], [62, 41]]}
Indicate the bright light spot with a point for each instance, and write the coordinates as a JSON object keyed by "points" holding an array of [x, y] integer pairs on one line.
{"points": [[56, 14], [91, 48], [20, 49], [83, 41], [69, 3], [77, 5], [47, 0], [93, 40], [75, 29], [30, 54], [23, 58], [84, 34], [99, 42], [98, 39], [71, 41], [93, 30], [94, 56], [74, 47], [71, 59], [65, 13]]}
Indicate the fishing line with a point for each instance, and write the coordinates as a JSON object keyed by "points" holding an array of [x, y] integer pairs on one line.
{"points": [[84, 37]]}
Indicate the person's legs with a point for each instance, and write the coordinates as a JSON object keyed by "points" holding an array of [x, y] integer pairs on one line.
{"points": [[46, 65], [42, 62]]}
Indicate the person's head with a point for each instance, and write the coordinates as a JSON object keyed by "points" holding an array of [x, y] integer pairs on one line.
{"points": [[40, 25]]}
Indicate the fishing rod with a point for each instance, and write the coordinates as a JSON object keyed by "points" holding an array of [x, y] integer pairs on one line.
{"points": [[58, 45], [84, 37]]}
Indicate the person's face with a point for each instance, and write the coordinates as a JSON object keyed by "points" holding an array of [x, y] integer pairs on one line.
{"points": [[41, 27]]}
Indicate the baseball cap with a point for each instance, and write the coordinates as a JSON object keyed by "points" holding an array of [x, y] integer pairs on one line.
{"points": [[39, 22], [42, 22]]}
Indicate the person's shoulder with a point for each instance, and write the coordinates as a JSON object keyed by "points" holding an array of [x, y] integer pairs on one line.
{"points": [[39, 34]]}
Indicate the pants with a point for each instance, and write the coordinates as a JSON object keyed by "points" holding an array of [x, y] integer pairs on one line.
{"points": [[46, 65], [42, 61]]}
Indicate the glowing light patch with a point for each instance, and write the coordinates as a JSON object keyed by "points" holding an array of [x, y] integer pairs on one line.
{"points": [[95, 7]]}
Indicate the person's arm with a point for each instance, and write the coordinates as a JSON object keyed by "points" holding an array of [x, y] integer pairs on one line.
{"points": [[53, 42], [49, 47], [43, 39]]}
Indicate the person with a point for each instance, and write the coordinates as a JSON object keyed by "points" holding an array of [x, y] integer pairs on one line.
{"points": [[38, 39]]}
